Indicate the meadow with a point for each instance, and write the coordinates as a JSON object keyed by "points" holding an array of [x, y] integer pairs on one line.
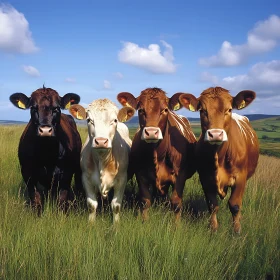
{"points": [[58, 246]]}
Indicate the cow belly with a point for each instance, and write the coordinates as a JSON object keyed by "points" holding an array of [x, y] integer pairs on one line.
{"points": [[101, 181], [224, 180], [166, 176]]}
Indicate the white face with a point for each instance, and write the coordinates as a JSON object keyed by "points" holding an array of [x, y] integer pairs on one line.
{"points": [[102, 125]]}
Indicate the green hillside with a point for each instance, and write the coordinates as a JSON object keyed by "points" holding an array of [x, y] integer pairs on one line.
{"points": [[268, 131]]}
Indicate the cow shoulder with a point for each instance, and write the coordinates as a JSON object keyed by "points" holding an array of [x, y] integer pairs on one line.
{"points": [[69, 135]]}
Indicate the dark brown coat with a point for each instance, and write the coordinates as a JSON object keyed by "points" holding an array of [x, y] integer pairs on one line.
{"points": [[162, 152], [49, 148], [227, 151]]}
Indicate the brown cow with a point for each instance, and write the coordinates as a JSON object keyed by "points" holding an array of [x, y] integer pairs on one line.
{"points": [[227, 151], [162, 152], [50, 146]]}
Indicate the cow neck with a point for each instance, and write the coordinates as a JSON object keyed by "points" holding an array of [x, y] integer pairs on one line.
{"points": [[182, 125], [105, 156], [161, 150], [216, 153]]}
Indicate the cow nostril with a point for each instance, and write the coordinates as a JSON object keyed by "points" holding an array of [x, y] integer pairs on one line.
{"points": [[40, 129], [106, 141], [221, 134], [96, 142], [146, 132], [210, 134], [50, 130]]}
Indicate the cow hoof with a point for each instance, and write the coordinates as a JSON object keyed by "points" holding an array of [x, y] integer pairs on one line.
{"points": [[237, 229]]}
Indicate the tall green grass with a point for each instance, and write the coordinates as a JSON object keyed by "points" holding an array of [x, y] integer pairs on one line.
{"points": [[57, 246]]}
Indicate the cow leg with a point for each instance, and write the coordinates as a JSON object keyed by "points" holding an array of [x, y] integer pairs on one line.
{"points": [[235, 204], [176, 201], [33, 193], [117, 202], [145, 198], [92, 204], [65, 190], [213, 207]]}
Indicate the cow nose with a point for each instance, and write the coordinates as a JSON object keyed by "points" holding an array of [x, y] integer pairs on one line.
{"points": [[151, 133], [215, 135], [45, 130], [100, 142]]}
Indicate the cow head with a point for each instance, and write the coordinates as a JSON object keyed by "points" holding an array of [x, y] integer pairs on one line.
{"points": [[153, 108], [215, 106], [45, 105], [102, 116]]}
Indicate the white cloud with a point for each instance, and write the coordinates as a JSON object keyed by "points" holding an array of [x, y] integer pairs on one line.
{"points": [[118, 75], [106, 84], [30, 70], [262, 38], [262, 77], [15, 36], [70, 80], [150, 58]]}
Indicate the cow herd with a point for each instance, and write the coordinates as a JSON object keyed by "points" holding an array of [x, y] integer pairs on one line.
{"points": [[164, 152]]}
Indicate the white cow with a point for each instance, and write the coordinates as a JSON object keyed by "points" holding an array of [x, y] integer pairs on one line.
{"points": [[104, 156]]}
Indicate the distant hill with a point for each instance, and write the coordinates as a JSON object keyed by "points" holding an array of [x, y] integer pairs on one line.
{"points": [[134, 120], [251, 117], [10, 122], [255, 117]]}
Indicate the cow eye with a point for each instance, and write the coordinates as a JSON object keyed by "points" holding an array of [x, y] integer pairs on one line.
{"points": [[164, 110], [204, 112], [56, 109], [115, 120], [229, 110], [90, 121]]}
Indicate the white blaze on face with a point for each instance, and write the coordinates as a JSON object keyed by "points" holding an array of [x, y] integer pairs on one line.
{"points": [[242, 123], [102, 122]]}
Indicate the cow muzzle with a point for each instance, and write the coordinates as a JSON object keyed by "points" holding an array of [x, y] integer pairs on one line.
{"points": [[45, 131], [101, 143], [215, 136], [151, 134]]}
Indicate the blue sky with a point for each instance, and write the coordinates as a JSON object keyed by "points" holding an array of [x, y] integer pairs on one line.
{"points": [[100, 48]]}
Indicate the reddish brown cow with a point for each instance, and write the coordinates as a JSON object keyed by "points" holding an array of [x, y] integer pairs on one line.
{"points": [[49, 148], [162, 152], [227, 151]]}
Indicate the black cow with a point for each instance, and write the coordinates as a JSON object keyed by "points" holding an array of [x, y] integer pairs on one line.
{"points": [[49, 148]]}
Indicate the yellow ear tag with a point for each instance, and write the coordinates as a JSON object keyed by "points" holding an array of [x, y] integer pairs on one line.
{"points": [[79, 117], [242, 105], [177, 107], [127, 104], [124, 119], [21, 105], [191, 107], [67, 106]]}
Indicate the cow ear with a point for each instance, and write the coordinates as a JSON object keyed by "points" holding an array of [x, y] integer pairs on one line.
{"points": [[20, 100], [174, 103], [78, 112], [243, 99], [69, 99], [189, 101], [127, 99], [125, 114]]}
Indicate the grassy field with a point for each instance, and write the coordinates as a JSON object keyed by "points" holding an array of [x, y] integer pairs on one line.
{"points": [[56, 246]]}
